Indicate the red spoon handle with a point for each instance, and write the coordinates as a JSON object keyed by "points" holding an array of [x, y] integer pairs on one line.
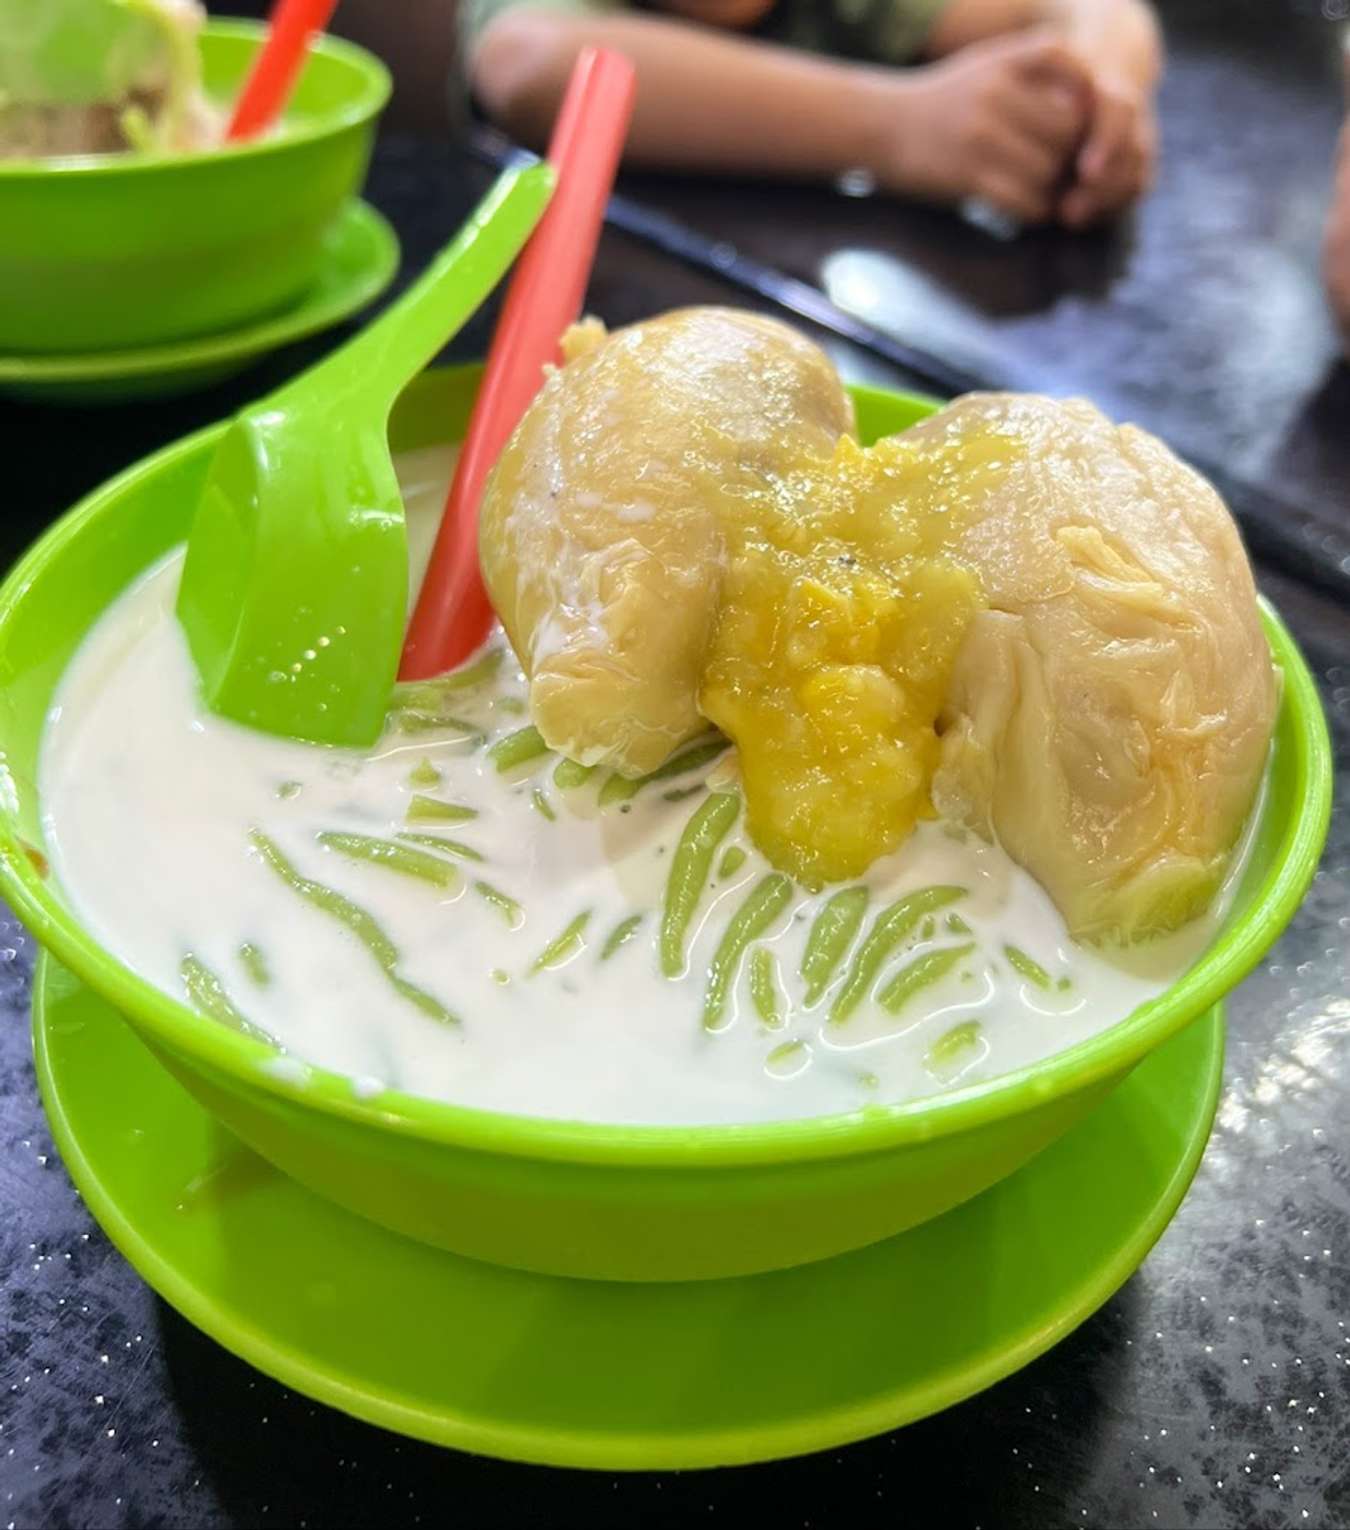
{"points": [[272, 78], [453, 613]]}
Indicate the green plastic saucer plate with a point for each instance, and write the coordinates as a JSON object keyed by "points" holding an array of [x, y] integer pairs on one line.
{"points": [[359, 259], [620, 1377]]}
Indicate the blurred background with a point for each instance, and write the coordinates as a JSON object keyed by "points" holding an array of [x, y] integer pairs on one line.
{"points": [[1201, 315], [416, 38]]}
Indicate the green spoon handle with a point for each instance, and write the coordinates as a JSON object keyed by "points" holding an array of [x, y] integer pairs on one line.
{"points": [[393, 350]]}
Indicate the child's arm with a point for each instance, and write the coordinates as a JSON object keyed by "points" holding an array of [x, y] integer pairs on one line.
{"points": [[1120, 44], [1119, 35], [997, 122], [707, 100], [1120, 40]]}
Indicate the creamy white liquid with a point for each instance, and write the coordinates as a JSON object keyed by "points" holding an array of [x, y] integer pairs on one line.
{"points": [[149, 803]]}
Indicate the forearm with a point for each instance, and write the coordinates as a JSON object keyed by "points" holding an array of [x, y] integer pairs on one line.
{"points": [[1116, 36], [706, 100]]}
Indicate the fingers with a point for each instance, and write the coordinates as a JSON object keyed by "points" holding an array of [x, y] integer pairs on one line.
{"points": [[1042, 103], [1043, 115], [1029, 144], [1016, 170], [1025, 199], [1019, 117], [1115, 164], [1029, 156], [1052, 115], [1088, 202], [1041, 56], [1108, 138]]}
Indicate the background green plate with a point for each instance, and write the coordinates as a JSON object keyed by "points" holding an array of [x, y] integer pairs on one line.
{"points": [[582, 1373], [360, 257]]}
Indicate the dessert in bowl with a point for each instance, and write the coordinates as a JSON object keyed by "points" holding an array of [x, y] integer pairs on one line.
{"points": [[128, 222], [530, 986]]}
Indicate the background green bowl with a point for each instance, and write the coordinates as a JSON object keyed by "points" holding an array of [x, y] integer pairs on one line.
{"points": [[574, 1198], [121, 250]]}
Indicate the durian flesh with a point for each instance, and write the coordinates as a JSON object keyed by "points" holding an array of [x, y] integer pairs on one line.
{"points": [[1109, 716], [1041, 624]]}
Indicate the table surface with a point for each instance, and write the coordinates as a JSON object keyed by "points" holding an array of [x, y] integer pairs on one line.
{"points": [[1214, 1389]]}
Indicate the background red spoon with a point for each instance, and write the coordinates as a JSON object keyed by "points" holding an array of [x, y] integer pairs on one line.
{"points": [[272, 78], [453, 614]]}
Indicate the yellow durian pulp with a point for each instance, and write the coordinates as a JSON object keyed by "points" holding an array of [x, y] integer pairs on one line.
{"points": [[1015, 613]]}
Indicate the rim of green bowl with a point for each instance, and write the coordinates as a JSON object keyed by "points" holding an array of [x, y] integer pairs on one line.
{"points": [[376, 85], [878, 1128], [357, 222]]}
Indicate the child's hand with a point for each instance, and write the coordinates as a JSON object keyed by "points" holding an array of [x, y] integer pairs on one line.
{"points": [[1336, 254], [1001, 120], [1115, 164]]}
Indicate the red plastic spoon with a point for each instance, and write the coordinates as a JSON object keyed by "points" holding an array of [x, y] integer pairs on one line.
{"points": [[272, 78], [453, 613]]}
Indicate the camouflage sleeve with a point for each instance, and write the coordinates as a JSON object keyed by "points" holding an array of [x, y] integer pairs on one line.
{"points": [[871, 31], [898, 29], [474, 15]]}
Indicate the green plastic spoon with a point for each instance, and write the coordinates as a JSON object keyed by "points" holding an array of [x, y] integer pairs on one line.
{"points": [[294, 594]]}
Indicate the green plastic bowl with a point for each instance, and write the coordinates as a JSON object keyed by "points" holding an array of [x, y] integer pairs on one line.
{"points": [[106, 251], [574, 1198]]}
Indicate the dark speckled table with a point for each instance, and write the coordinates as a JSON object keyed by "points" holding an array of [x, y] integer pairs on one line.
{"points": [[1214, 1389]]}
